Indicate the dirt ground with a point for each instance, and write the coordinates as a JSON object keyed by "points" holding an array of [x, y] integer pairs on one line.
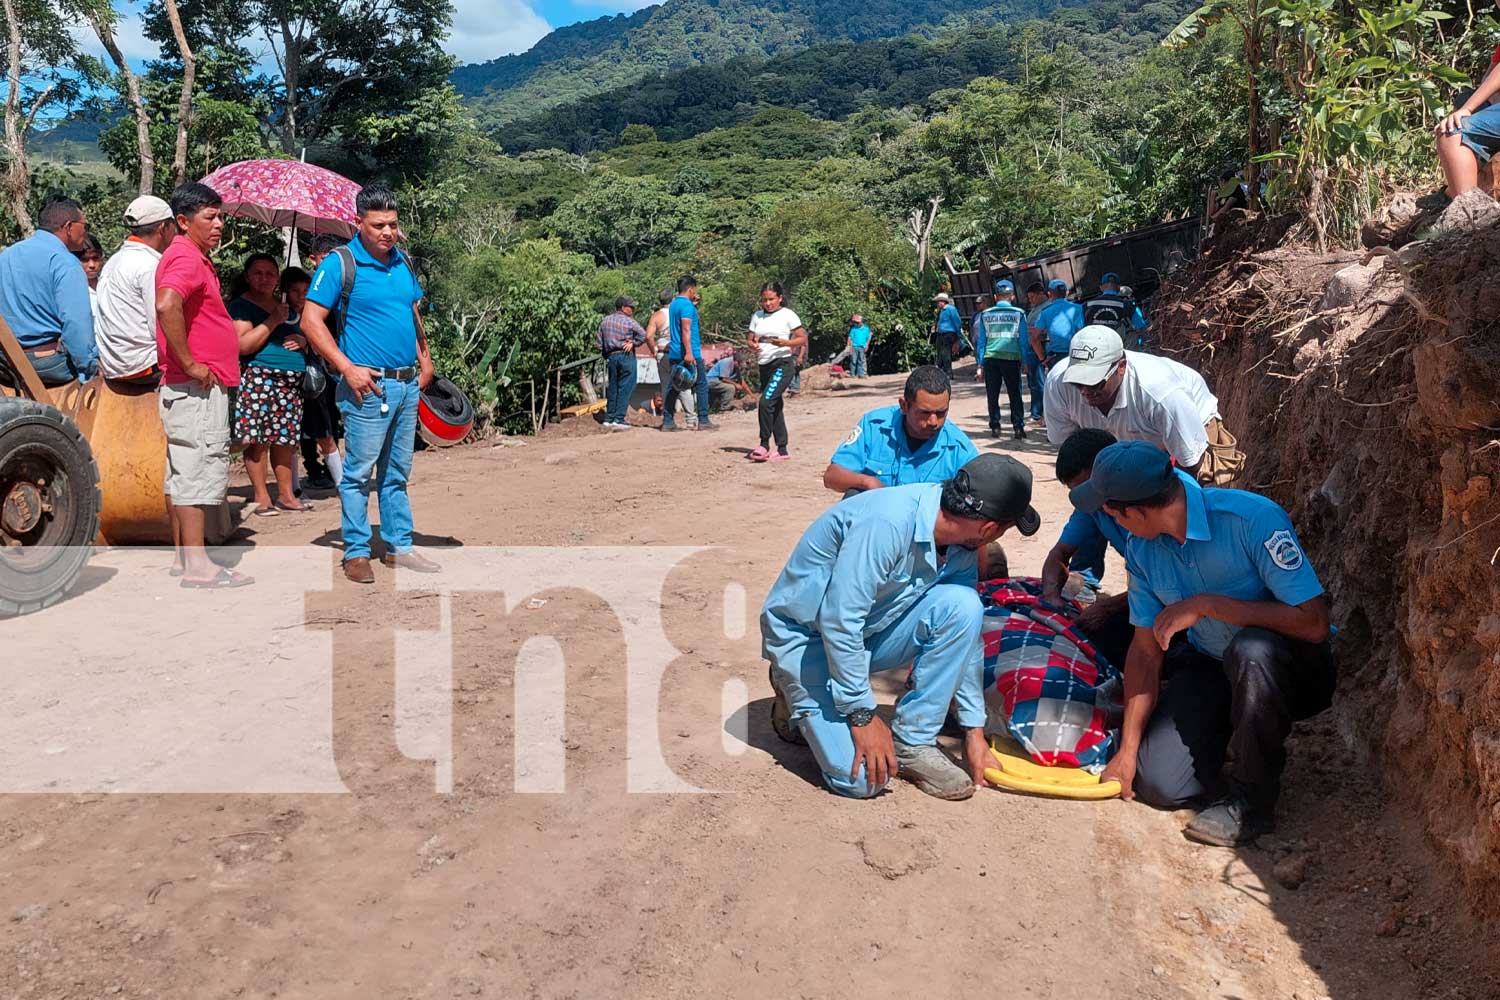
{"points": [[373, 882]]}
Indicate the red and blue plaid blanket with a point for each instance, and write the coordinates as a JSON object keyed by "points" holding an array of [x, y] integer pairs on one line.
{"points": [[1046, 684]]}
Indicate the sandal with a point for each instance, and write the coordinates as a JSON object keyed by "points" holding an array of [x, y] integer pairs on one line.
{"points": [[779, 456], [265, 512], [299, 509], [761, 454], [224, 580]]}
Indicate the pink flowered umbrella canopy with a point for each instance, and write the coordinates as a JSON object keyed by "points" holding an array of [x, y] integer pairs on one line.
{"points": [[285, 193]]}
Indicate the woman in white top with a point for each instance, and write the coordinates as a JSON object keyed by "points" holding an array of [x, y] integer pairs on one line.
{"points": [[776, 334]]}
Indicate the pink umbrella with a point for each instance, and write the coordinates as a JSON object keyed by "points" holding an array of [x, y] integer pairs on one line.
{"points": [[286, 193]]}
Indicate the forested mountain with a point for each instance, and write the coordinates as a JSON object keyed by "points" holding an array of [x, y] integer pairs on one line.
{"points": [[835, 80], [583, 60]]}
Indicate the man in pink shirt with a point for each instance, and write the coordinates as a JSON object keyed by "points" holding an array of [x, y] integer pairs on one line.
{"points": [[200, 361]]}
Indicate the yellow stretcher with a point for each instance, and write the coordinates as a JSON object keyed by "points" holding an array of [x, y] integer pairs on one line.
{"points": [[1019, 773]]}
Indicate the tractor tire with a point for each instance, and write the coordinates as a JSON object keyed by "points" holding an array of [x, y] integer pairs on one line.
{"points": [[49, 505]]}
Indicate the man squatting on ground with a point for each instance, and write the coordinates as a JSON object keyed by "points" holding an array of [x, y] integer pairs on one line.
{"points": [[881, 580], [1224, 567]]}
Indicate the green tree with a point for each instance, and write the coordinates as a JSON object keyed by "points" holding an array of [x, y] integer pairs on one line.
{"points": [[620, 220], [43, 73], [633, 135]]}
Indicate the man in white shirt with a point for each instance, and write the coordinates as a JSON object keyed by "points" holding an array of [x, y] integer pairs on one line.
{"points": [[1140, 397], [125, 330]]}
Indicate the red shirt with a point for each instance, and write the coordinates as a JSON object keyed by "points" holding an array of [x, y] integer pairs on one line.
{"points": [[1495, 59], [186, 270]]}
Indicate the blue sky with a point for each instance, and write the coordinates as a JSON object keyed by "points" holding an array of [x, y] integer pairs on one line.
{"points": [[482, 29]]}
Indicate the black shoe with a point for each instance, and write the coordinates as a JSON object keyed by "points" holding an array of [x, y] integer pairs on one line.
{"points": [[781, 715], [994, 432], [1229, 823], [1019, 434], [321, 481], [670, 427], [707, 425]]}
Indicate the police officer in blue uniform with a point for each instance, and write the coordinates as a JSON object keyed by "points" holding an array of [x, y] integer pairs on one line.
{"points": [[883, 580], [1225, 568], [1112, 308], [1001, 329], [911, 442], [1081, 548]]}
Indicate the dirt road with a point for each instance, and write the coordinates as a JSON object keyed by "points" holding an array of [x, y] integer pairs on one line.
{"points": [[368, 873]]}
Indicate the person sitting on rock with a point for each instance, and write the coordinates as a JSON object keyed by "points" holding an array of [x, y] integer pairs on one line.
{"points": [[1226, 568], [1467, 138], [878, 582]]}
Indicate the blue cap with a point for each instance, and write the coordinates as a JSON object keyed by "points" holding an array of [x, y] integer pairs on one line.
{"points": [[1057, 285], [1110, 278], [1005, 285], [1125, 472]]}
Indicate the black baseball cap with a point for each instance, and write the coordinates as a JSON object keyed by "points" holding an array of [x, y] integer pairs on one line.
{"points": [[995, 488], [1124, 473]]}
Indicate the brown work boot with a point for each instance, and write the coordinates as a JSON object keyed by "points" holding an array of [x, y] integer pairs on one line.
{"points": [[411, 561], [357, 570]]}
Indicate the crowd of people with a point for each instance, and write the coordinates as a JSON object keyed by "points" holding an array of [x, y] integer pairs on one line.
{"points": [[1222, 633], [289, 358]]}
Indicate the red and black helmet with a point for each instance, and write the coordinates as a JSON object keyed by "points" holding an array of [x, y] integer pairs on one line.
{"points": [[444, 416]]}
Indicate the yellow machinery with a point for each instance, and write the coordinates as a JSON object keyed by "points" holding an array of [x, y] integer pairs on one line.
{"points": [[80, 464]]}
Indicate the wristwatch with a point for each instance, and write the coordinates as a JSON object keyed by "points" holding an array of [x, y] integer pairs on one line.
{"points": [[861, 717]]}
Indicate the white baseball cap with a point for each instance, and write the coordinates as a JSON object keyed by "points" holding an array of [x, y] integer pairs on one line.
{"points": [[942, 297], [147, 210], [1093, 355]]}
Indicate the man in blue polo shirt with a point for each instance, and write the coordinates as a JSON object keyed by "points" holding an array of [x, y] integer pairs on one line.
{"points": [[1059, 319], [382, 361], [878, 582], [684, 350], [911, 442], [1226, 568], [1081, 548]]}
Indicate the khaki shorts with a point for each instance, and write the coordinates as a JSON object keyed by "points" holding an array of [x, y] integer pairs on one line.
{"points": [[1223, 461], [197, 424]]}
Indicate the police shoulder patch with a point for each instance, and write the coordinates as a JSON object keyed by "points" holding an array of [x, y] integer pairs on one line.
{"points": [[1282, 546], [854, 434]]}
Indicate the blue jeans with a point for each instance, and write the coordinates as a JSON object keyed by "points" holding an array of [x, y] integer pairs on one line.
{"points": [[54, 370], [379, 443], [621, 369], [939, 637], [1037, 376], [669, 393], [858, 361]]}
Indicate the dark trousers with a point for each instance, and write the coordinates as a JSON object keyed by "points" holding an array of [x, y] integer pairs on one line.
{"points": [[996, 370], [942, 343], [1037, 376], [669, 391], [621, 369], [1240, 708], [775, 379]]}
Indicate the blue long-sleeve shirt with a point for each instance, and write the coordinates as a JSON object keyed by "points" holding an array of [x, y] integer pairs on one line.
{"points": [[861, 566], [44, 296]]}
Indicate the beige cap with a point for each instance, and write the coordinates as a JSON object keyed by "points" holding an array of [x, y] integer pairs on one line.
{"points": [[1092, 355], [942, 297], [147, 210]]}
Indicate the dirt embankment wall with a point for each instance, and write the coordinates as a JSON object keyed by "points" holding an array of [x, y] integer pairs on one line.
{"points": [[1366, 392]]}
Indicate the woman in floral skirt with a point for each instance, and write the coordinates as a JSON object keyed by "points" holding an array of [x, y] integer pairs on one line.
{"points": [[268, 406]]}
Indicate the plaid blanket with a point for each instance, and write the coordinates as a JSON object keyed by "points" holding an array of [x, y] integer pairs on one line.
{"points": [[1046, 685]]}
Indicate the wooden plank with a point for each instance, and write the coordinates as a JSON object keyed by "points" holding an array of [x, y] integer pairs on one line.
{"points": [[31, 384]]}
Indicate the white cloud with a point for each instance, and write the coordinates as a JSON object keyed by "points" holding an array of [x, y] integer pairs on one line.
{"points": [[487, 29]]}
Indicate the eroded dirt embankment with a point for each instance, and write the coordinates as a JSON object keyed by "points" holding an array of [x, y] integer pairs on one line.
{"points": [[1366, 391]]}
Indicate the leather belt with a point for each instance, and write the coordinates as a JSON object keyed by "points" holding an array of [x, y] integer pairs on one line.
{"points": [[406, 374], [47, 350]]}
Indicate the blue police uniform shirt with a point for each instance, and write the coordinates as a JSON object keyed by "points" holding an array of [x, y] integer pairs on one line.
{"points": [[380, 330], [1059, 320], [682, 308], [1238, 545], [858, 568], [1091, 535], [878, 446]]}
